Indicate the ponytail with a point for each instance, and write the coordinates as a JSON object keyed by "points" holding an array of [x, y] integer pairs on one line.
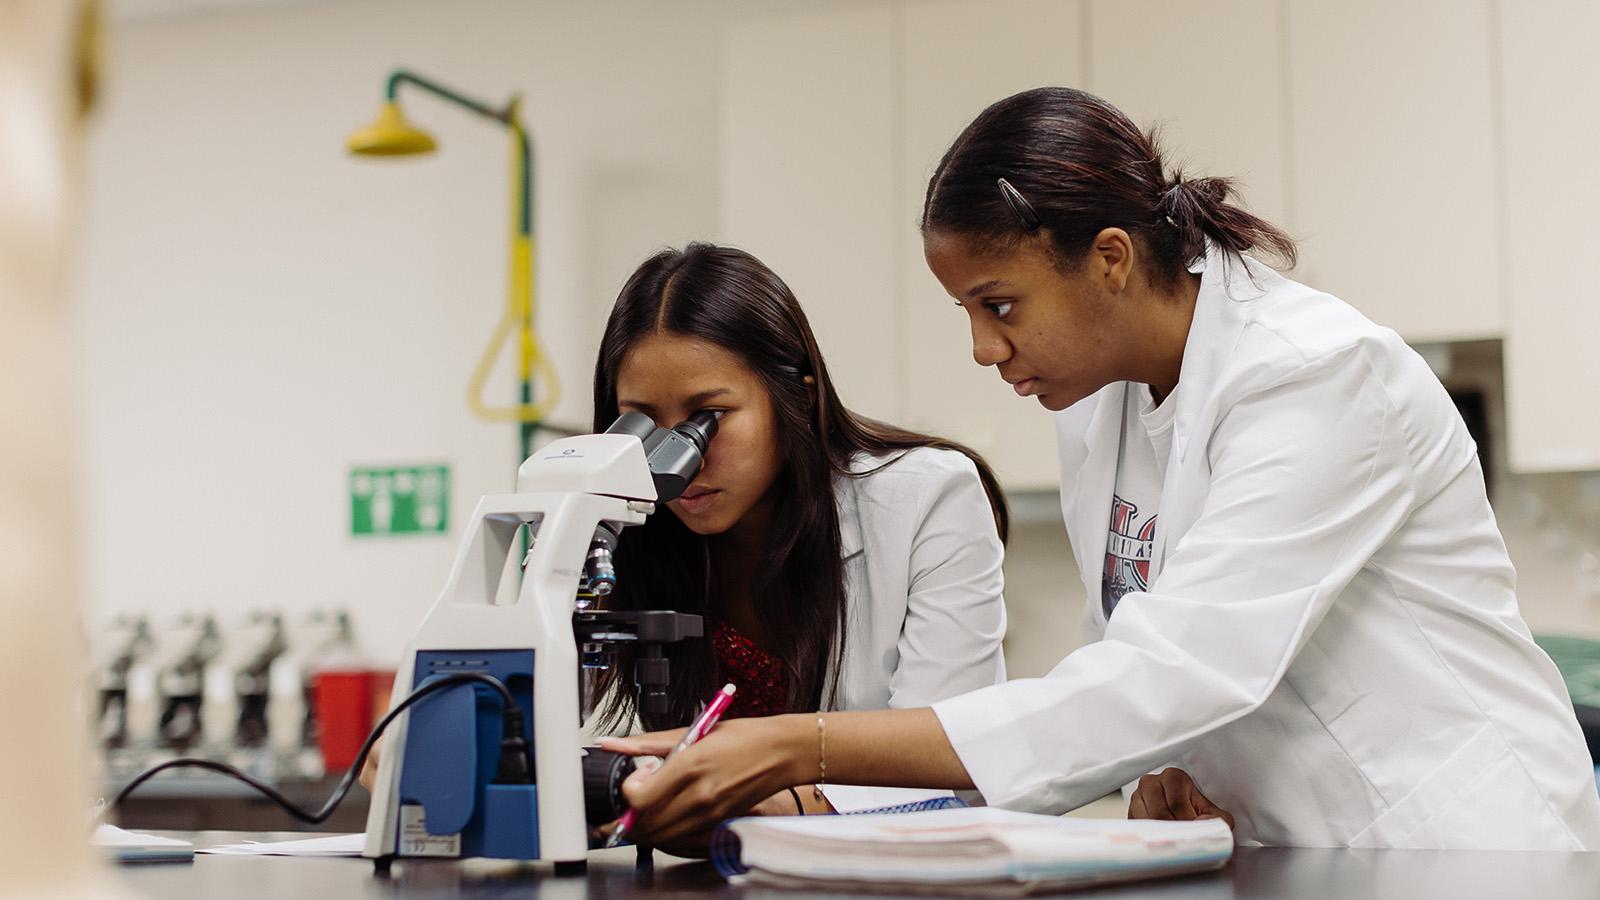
{"points": [[1072, 165], [1198, 209]]}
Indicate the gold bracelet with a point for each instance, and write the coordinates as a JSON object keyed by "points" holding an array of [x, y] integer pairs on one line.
{"points": [[822, 758]]}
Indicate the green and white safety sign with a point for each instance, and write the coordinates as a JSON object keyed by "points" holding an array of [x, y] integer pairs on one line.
{"points": [[399, 499]]}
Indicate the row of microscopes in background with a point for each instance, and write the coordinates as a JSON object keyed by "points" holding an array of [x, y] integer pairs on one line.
{"points": [[281, 697]]}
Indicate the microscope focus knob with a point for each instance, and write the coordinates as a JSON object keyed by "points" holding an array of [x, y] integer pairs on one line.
{"points": [[603, 774]]}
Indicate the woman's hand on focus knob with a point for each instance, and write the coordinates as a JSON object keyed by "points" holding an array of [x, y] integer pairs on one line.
{"points": [[739, 766]]}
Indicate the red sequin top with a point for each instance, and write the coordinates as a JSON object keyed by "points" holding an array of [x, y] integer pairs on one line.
{"points": [[763, 685]]}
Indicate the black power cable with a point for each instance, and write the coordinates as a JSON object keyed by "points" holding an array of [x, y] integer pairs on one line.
{"points": [[514, 768]]}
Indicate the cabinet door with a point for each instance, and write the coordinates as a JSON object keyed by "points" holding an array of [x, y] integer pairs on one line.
{"points": [[1552, 83], [808, 179], [1210, 75], [956, 59], [1393, 167]]}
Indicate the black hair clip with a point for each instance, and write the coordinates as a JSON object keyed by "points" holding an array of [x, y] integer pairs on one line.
{"points": [[795, 370], [1019, 205]]}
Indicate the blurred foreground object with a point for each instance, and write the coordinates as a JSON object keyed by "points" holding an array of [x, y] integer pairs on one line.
{"points": [[46, 86]]}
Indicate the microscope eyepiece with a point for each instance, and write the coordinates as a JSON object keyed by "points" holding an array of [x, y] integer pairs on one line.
{"points": [[699, 428], [675, 455], [635, 423]]}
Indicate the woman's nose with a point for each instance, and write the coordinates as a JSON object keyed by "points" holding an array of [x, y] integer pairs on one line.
{"points": [[989, 348]]}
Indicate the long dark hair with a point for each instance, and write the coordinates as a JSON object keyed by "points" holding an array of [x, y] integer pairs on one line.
{"points": [[1084, 166], [730, 299]]}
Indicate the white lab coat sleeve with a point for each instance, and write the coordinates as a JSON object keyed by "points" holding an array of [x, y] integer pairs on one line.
{"points": [[955, 618], [1309, 478]]}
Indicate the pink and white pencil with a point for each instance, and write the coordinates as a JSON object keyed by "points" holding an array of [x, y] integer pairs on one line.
{"points": [[707, 720]]}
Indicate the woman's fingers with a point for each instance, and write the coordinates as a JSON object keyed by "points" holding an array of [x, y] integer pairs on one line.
{"points": [[725, 774], [653, 793], [1209, 810], [684, 799], [655, 743], [1179, 790], [1136, 807], [1152, 797], [1173, 795]]}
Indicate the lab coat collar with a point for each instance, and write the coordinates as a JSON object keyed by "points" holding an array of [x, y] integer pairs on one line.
{"points": [[1087, 507], [1228, 282]]}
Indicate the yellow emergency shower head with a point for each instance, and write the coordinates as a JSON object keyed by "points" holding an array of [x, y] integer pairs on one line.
{"points": [[390, 135]]}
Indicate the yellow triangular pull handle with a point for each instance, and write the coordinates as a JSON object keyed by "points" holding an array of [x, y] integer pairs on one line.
{"points": [[536, 363]]}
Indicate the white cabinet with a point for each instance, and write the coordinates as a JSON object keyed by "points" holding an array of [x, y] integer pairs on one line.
{"points": [[956, 59], [1392, 161], [1431, 157], [1552, 129], [807, 181], [1210, 75]]}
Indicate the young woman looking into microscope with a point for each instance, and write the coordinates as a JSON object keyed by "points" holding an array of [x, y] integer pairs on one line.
{"points": [[840, 563]]}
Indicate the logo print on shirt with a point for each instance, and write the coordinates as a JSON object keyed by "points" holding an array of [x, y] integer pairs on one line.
{"points": [[1128, 554]]}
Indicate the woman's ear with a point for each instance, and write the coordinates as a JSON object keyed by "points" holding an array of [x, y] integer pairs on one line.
{"points": [[1111, 258]]}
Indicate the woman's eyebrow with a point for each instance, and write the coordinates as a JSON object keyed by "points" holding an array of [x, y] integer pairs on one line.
{"points": [[985, 287], [704, 396], [695, 400]]}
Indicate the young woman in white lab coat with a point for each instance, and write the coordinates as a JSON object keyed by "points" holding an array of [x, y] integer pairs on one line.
{"points": [[840, 563], [1298, 596]]}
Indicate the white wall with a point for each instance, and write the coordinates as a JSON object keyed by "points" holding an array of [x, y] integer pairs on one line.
{"points": [[257, 311]]}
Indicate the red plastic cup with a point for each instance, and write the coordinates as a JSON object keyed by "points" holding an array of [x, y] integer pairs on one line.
{"points": [[347, 707]]}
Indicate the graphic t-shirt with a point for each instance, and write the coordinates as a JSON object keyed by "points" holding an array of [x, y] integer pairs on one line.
{"points": [[1141, 468]]}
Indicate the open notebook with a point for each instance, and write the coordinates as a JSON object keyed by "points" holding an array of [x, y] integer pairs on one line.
{"points": [[964, 851]]}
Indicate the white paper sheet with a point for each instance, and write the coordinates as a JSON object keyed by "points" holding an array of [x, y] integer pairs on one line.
{"points": [[332, 845], [131, 846], [117, 838]]}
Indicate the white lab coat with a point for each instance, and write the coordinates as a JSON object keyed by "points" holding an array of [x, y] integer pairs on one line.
{"points": [[924, 591], [1331, 643]]}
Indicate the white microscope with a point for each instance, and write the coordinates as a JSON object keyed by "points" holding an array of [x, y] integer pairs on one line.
{"points": [[456, 778]]}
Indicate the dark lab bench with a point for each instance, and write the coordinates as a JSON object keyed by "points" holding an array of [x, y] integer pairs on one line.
{"points": [[1253, 873], [200, 801]]}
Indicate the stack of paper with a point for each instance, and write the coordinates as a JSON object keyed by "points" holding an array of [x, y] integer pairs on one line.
{"points": [[967, 851], [331, 845]]}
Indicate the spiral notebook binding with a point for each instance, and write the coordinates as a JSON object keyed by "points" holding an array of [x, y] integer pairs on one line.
{"points": [[919, 806], [725, 846], [725, 849]]}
